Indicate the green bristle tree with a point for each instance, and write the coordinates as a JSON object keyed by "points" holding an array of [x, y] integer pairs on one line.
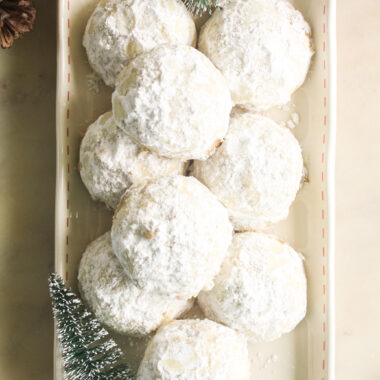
{"points": [[88, 351], [197, 7]]}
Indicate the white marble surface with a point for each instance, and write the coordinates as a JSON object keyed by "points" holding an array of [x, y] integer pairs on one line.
{"points": [[27, 158], [358, 191]]}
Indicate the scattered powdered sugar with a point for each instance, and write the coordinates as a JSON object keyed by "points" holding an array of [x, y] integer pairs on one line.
{"points": [[294, 121], [263, 362], [284, 117], [263, 49], [94, 82], [290, 124], [295, 117]]}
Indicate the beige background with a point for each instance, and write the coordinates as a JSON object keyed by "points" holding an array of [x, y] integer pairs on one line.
{"points": [[27, 177]]}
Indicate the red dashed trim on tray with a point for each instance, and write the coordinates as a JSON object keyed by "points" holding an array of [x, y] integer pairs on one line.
{"points": [[324, 377], [68, 141], [323, 184]]}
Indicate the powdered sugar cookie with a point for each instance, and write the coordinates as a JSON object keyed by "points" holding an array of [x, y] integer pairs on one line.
{"points": [[173, 101], [260, 290], [171, 235], [119, 30], [195, 350], [262, 48], [256, 173], [115, 300], [110, 162]]}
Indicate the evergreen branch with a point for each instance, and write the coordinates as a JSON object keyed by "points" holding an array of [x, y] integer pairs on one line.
{"points": [[198, 7], [88, 351]]}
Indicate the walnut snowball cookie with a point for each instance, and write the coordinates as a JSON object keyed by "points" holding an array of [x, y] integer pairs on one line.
{"points": [[119, 30], [263, 49], [115, 300], [195, 350], [256, 173], [110, 162], [174, 102], [260, 290], [171, 235]]}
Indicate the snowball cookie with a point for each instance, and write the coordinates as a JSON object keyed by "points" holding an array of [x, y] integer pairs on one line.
{"points": [[195, 350], [256, 173], [261, 288], [115, 300], [110, 162], [171, 235], [119, 30], [262, 47], [173, 101]]}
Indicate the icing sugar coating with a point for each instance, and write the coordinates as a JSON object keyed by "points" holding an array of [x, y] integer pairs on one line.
{"points": [[173, 101], [171, 235], [119, 30], [115, 300], [194, 350], [260, 290], [262, 48], [110, 162], [255, 173]]}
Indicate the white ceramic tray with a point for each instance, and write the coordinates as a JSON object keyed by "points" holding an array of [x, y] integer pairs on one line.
{"points": [[308, 352]]}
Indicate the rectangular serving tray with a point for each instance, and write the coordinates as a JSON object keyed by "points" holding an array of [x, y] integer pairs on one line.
{"points": [[308, 352]]}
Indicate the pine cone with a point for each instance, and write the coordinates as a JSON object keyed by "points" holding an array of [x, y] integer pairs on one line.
{"points": [[16, 18]]}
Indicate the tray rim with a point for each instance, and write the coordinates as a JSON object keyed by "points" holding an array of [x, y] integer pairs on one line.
{"points": [[330, 171], [331, 159]]}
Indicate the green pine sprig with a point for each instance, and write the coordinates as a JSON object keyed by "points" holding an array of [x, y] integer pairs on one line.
{"points": [[88, 351], [198, 7]]}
